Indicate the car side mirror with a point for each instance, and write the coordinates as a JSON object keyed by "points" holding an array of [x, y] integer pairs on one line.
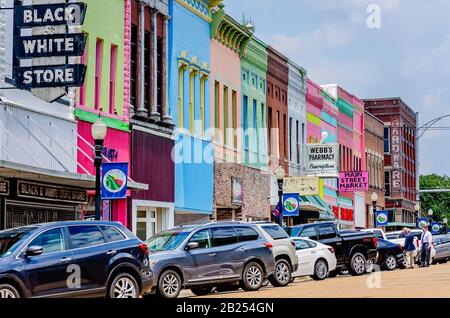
{"points": [[34, 251], [192, 246]]}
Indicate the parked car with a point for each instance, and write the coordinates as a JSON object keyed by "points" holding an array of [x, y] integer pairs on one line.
{"points": [[390, 255], [202, 257], [442, 246], [286, 260], [73, 259], [315, 259], [352, 249]]}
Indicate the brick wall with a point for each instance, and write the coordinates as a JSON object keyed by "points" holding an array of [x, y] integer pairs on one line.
{"points": [[256, 191]]}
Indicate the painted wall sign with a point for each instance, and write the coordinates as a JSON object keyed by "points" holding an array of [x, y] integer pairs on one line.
{"points": [[382, 218], [114, 180], [4, 187], [51, 192], [301, 185], [322, 159], [69, 75], [291, 204], [27, 47], [50, 14], [237, 191], [353, 181]]}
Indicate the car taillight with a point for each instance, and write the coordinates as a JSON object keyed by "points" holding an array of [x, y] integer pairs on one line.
{"points": [[375, 242], [331, 250], [144, 248], [268, 245]]}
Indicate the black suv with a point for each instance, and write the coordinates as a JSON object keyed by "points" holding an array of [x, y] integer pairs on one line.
{"points": [[73, 259]]}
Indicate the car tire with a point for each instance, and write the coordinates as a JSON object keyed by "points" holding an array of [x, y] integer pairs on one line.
{"points": [[370, 266], [320, 270], [123, 286], [8, 291], [252, 277], [169, 284], [333, 274], [444, 261], [390, 262], [202, 291], [282, 275], [357, 266]]}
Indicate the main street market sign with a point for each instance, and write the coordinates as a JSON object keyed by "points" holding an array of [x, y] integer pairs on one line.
{"points": [[35, 66]]}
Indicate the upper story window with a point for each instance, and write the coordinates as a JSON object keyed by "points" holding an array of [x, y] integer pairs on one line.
{"points": [[387, 140]]}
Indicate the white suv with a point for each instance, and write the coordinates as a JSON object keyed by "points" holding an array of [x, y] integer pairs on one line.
{"points": [[283, 249]]}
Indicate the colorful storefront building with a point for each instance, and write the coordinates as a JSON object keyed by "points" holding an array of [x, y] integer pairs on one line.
{"points": [[189, 82], [233, 114], [103, 94], [297, 118], [152, 141]]}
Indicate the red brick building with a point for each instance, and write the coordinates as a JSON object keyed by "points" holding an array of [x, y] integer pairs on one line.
{"points": [[277, 109], [400, 127]]}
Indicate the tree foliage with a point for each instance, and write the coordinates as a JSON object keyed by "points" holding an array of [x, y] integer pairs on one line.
{"points": [[438, 202]]}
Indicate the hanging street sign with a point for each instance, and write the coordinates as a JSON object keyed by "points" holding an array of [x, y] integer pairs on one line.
{"points": [[27, 47], [382, 218], [291, 205], [71, 14], [353, 181], [322, 159], [69, 75], [114, 180]]}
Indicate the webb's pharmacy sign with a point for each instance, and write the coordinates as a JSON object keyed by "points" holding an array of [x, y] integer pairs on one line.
{"points": [[44, 46]]}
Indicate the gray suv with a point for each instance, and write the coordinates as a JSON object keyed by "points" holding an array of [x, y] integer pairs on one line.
{"points": [[213, 255]]}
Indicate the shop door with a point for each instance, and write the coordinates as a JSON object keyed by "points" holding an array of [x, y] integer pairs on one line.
{"points": [[146, 223]]}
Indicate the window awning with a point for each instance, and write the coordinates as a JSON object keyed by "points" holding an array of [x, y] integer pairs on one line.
{"points": [[26, 172], [317, 204]]}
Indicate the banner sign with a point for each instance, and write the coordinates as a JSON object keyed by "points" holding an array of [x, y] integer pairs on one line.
{"points": [[354, 181], [301, 185], [382, 218], [421, 222], [4, 187], [41, 191], [114, 181], [69, 75], [237, 195], [322, 159], [72, 14], [291, 205], [27, 47], [435, 228], [396, 157]]}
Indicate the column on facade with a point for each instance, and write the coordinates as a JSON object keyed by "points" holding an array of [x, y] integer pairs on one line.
{"points": [[141, 111], [154, 114], [165, 69]]}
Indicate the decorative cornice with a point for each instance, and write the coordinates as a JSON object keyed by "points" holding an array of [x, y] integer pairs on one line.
{"points": [[201, 8]]}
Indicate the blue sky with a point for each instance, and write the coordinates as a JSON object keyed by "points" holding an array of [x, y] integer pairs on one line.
{"points": [[408, 56]]}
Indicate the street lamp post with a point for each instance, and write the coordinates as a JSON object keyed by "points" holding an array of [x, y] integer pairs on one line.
{"points": [[280, 174], [374, 198], [417, 209], [430, 214], [99, 134]]}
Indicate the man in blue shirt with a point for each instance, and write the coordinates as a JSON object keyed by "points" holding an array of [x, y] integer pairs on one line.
{"points": [[409, 248]]}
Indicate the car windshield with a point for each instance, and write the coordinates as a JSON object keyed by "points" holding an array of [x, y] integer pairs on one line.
{"points": [[166, 241], [10, 240], [275, 231]]}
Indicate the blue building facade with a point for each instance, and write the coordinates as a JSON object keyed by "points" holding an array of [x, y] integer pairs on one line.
{"points": [[189, 100]]}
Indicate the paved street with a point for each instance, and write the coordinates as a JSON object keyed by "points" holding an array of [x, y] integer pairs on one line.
{"points": [[420, 282]]}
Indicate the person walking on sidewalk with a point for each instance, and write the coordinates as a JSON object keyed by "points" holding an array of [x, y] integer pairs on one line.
{"points": [[410, 248], [427, 243]]}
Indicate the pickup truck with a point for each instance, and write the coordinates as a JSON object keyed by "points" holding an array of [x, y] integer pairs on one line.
{"points": [[353, 249]]}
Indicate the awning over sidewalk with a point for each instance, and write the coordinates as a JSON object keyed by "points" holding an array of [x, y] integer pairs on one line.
{"points": [[84, 181], [316, 204]]}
